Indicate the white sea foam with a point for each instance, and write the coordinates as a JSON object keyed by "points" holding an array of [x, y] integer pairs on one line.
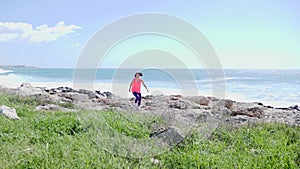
{"points": [[2, 71], [225, 79]]}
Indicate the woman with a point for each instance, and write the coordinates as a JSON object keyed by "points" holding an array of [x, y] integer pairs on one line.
{"points": [[135, 87]]}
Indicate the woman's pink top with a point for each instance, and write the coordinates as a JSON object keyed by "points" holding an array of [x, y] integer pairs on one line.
{"points": [[136, 86]]}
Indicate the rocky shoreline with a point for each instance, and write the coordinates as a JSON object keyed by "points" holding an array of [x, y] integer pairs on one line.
{"points": [[180, 114], [192, 108]]}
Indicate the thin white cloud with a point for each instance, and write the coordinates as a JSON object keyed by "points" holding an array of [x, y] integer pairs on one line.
{"points": [[41, 34]]}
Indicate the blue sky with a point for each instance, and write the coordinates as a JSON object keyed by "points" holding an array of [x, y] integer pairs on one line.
{"points": [[245, 34]]}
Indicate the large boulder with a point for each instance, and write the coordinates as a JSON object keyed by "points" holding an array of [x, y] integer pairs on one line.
{"points": [[220, 108], [27, 90], [170, 136], [248, 111], [9, 112]]}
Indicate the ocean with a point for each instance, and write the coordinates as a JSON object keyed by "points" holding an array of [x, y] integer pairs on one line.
{"points": [[279, 88]]}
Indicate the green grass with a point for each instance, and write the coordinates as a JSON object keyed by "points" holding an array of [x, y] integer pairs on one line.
{"points": [[60, 140], [67, 105], [134, 125]]}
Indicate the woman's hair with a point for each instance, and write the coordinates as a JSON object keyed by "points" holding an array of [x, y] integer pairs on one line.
{"points": [[138, 73]]}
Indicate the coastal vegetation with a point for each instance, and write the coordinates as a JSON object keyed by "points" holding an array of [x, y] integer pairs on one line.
{"points": [[56, 139]]}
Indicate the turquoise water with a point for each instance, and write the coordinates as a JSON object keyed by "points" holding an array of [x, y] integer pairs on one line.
{"points": [[255, 85]]}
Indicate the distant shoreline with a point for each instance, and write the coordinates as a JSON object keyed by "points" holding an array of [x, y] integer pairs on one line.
{"points": [[192, 68], [17, 66]]}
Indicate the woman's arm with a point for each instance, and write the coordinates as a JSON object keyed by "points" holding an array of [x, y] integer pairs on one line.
{"points": [[145, 86], [130, 86]]}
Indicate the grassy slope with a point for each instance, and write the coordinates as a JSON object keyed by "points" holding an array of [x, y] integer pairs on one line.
{"points": [[58, 140]]}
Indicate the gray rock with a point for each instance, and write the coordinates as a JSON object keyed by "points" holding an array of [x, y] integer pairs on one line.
{"points": [[179, 104], [47, 107], [224, 103], [156, 103], [27, 90], [61, 89], [124, 104], [10, 91], [9, 112], [204, 101], [44, 97], [295, 107], [50, 91], [177, 110], [148, 97], [219, 108], [52, 107], [243, 119], [175, 97], [90, 94], [98, 94], [171, 136], [290, 117], [154, 161], [297, 119], [26, 85], [228, 103], [196, 116], [108, 94], [248, 111], [77, 97]]}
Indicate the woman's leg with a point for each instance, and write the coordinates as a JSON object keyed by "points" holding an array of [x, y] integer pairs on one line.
{"points": [[136, 97], [139, 98]]}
